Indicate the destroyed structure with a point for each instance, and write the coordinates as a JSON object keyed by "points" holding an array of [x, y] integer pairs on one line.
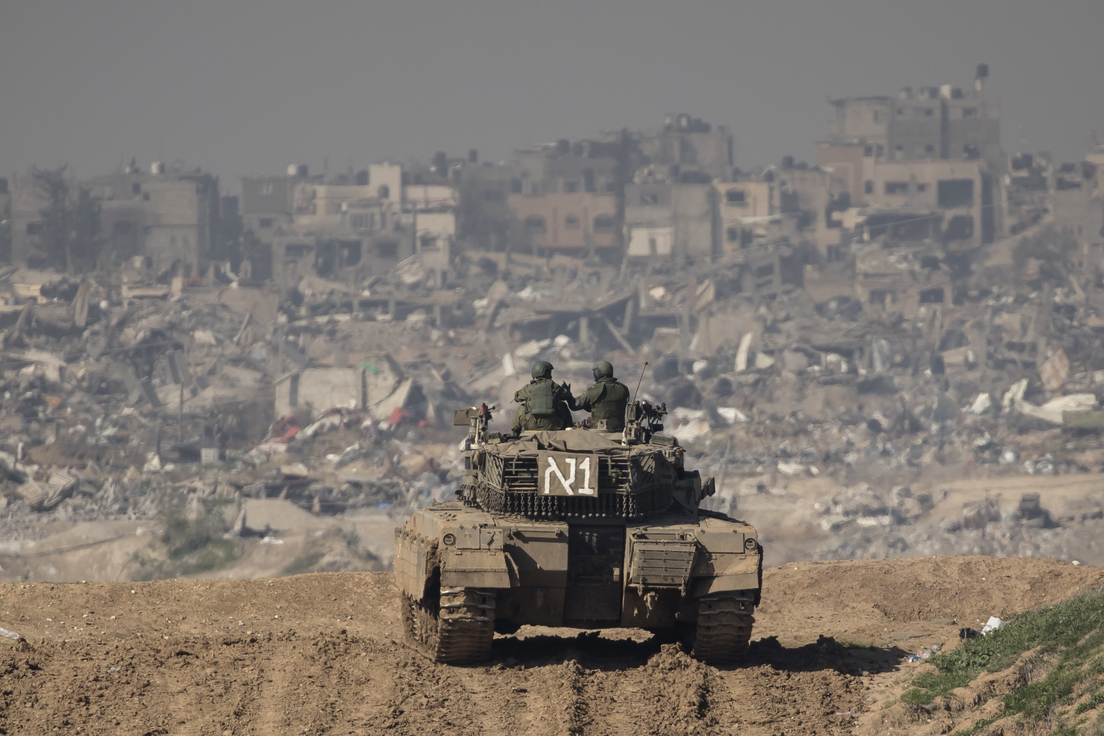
{"points": [[915, 308]]}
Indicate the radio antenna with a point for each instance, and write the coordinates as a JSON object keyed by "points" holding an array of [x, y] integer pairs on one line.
{"points": [[637, 392]]}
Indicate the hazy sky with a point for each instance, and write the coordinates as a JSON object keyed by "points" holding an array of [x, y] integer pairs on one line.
{"points": [[249, 86]]}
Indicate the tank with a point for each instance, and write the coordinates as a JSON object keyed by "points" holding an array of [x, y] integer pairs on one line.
{"points": [[577, 528]]}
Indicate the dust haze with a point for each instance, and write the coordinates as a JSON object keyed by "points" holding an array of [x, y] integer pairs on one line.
{"points": [[254, 258]]}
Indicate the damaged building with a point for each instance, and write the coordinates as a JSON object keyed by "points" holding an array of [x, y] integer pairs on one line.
{"points": [[359, 224], [921, 166], [171, 219]]}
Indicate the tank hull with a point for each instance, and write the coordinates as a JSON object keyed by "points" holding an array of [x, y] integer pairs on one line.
{"points": [[658, 573]]}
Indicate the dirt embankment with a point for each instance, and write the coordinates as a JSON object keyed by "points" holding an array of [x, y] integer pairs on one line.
{"points": [[323, 653]]}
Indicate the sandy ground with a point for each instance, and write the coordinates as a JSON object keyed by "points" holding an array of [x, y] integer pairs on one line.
{"points": [[323, 653]]}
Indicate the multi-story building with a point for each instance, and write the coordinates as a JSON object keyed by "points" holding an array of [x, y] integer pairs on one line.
{"points": [[921, 166], [172, 219], [369, 222], [936, 123]]}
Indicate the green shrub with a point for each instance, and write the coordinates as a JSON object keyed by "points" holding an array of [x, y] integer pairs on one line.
{"points": [[1072, 633]]}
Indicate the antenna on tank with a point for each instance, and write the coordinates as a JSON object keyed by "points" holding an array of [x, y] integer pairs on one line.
{"points": [[639, 380]]}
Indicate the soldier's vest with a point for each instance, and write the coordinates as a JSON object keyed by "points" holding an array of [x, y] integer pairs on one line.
{"points": [[541, 402], [610, 405]]}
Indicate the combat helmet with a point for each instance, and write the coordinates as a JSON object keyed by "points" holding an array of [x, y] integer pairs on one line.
{"points": [[542, 369], [603, 369]]}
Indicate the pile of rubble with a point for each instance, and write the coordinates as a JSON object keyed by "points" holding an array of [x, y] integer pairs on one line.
{"points": [[338, 396], [113, 393]]}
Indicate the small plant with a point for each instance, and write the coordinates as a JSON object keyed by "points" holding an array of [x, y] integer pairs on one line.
{"points": [[1070, 636]]}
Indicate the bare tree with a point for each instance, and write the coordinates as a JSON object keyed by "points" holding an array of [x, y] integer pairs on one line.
{"points": [[70, 235]]}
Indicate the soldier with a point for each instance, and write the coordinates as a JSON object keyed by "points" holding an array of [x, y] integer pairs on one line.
{"points": [[545, 404], [605, 400]]}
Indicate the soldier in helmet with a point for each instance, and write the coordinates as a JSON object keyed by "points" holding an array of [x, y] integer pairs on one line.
{"points": [[605, 400], [545, 404]]}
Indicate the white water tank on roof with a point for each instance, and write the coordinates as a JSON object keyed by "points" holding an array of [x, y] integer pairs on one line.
{"points": [[157, 167], [297, 171]]}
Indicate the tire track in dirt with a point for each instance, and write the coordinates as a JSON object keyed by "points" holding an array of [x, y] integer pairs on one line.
{"points": [[508, 702], [670, 694], [599, 685], [792, 690]]}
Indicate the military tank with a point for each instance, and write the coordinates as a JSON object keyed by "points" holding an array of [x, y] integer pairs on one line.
{"points": [[576, 528]]}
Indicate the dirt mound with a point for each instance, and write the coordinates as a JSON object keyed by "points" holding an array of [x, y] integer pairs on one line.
{"points": [[865, 600], [322, 653]]}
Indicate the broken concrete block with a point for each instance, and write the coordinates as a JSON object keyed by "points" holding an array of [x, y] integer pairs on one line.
{"points": [[763, 361], [1055, 371], [742, 352]]}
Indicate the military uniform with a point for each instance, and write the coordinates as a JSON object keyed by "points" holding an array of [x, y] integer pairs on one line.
{"points": [[554, 412], [606, 401]]}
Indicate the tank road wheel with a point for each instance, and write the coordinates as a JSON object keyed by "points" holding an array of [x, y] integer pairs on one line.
{"points": [[460, 631], [723, 633]]}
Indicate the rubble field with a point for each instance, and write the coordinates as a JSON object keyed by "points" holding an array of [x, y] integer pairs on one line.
{"points": [[223, 428], [322, 653]]}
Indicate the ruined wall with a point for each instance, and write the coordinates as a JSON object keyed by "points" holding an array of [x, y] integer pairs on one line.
{"points": [[571, 222], [861, 119], [708, 152], [320, 389], [954, 189], [385, 181], [848, 164], [179, 223], [916, 129], [695, 219], [646, 241]]}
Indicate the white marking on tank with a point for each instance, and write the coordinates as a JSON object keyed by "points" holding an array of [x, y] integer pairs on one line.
{"points": [[586, 490], [565, 482]]}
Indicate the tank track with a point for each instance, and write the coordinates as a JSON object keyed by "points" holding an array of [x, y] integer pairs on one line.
{"points": [[459, 630], [723, 633]]}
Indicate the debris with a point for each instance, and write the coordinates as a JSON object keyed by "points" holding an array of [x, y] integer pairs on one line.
{"points": [[1053, 410], [1055, 370], [981, 404], [742, 352], [993, 624]]}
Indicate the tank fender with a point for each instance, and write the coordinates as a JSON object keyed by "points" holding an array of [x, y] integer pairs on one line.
{"points": [[472, 556], [415, 561], [730, 559]]}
